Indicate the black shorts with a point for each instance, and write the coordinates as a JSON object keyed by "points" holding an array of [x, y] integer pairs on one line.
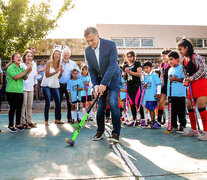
{"points": [[74, 102], [83, 98], [164, 89]]}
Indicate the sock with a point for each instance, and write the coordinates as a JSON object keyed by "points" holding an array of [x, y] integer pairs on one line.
{"points": [[90, 115], [148, 116], [120, 108], [192, 119], [73, 115], [160, 113], [203, 114], [107, 113], [84, 111]]}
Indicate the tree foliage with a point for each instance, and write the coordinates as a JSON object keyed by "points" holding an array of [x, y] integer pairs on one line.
{"points": [[22, 22]]}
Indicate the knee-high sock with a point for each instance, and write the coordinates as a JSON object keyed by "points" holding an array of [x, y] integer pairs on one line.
{"points": [[203, 114], [192, 119], [160, 113], [73, 114]]}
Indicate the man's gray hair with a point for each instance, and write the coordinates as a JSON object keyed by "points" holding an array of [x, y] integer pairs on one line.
{"points": [[66, 50], [90, 30]]}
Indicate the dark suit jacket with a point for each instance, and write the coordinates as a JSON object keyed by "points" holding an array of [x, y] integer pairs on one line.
{"points": [[109, 73]]}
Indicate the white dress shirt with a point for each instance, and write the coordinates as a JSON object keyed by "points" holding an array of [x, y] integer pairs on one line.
{"points": [[97, 50]]}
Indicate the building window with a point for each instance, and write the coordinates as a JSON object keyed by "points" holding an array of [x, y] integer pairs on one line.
{"points": [[147, 43], [134, 42], [205, 43], [197, 42], [119, 42]]}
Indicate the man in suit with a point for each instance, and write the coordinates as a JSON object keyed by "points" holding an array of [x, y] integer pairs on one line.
{"points": [[102, 59]]}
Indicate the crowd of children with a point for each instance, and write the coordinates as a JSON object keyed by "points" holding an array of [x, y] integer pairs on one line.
{"points": [[144, 89]]}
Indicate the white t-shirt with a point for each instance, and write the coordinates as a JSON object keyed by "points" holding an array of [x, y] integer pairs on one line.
{"points": [[32, 78]]}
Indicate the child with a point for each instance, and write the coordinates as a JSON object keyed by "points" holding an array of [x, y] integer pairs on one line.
{"points": [[195, 68], [74, 87], [86, 83], [164, 68], [122, 94], [152, 92], [178, 93]]}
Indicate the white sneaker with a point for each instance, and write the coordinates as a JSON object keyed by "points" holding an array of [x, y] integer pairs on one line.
{"points": [[203, 136], [191, 133]]}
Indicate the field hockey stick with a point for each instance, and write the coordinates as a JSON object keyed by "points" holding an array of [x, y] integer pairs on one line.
{"points": [[136, 102], [143, 91], [134, 122], [71, 141], [77, 108], [192, 100], [194, 109], [169, 112], [126, 108], [86, 96]]}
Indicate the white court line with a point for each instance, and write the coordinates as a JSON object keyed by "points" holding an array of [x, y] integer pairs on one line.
{"points": [[124, 156]]}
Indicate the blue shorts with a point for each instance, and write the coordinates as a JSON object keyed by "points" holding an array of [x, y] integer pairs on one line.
{"points": [[151, 105]]}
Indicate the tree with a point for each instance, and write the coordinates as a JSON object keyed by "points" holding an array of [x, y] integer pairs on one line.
{"points": [[22, 23]]}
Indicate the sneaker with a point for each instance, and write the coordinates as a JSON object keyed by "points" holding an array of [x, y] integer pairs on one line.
{"points": [[108, 120], [203, 136], [98, 136], [114, 138], [132, 123], [191, 133], [143, 123], [79, 120], [173, 129], [12, 129], [148, 122], [26, 126], [90, 119], [156, 125], [32, 125], [19, 128], [181, 130], [122, 119], [70, 120]]}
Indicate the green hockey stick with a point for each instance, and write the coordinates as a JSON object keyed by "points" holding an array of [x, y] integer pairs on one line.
{"points": [[80, 125]]}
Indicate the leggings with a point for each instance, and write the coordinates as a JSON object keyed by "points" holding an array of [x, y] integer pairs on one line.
{"points": [[132, 91], [15, 101]]}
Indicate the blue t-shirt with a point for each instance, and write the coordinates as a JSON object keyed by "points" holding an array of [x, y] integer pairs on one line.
{"points": [[42, 72], [123, 94], [88, 80], [152, 80], [178, 89], [72, 87]]}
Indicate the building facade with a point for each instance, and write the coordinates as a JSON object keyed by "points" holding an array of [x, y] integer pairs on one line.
{"points": [[148, 40]]}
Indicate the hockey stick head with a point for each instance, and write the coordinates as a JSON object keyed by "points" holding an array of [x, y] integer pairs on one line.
{"points": [[69, 141]]}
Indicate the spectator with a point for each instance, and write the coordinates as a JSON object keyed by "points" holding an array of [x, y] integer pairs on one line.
{"points": [[30, 86], [68, 65], [40, 71], [50, 84], [14, 90]]}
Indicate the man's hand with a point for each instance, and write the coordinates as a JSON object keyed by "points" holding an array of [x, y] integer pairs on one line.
{"points": [[97, 90], [102, 88]]}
